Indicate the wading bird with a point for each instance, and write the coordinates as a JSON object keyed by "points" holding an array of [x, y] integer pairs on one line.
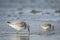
{"points": [[47, 27], [18, 25]]}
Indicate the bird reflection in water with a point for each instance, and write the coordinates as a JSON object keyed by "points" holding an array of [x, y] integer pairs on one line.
{"points": [[19, 37]]}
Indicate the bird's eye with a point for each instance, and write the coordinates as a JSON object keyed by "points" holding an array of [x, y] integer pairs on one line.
{"points": [[8, 22]]}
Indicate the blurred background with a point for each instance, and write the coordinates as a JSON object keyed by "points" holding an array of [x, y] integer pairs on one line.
{"points": [[34, 13]]}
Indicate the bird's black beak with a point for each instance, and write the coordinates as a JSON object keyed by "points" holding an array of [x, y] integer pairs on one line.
{"points": [[8, 22]]}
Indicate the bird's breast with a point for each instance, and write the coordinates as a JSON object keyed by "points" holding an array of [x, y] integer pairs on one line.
{"points": [[16, 27], [45, 27]]}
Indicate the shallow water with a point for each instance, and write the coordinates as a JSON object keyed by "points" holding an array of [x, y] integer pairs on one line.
{"points": [[11, 10]]}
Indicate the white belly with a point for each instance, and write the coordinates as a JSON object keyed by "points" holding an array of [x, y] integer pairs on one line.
{"points": [[16, 27], [45, 28]]}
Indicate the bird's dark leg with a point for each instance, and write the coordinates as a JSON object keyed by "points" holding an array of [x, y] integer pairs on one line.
{"points": [[17, 32], [29, 32], [17, 36], [29, 29]]}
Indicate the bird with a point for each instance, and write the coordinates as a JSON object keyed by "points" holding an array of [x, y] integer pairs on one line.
{"points": [[19, 25], [47, 27]]}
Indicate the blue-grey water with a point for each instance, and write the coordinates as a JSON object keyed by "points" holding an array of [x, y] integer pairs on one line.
{"points": [[11, 10]]}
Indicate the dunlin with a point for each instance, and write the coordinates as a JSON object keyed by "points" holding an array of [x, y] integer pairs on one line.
{"points": [[18, 25], [47, 27]]}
